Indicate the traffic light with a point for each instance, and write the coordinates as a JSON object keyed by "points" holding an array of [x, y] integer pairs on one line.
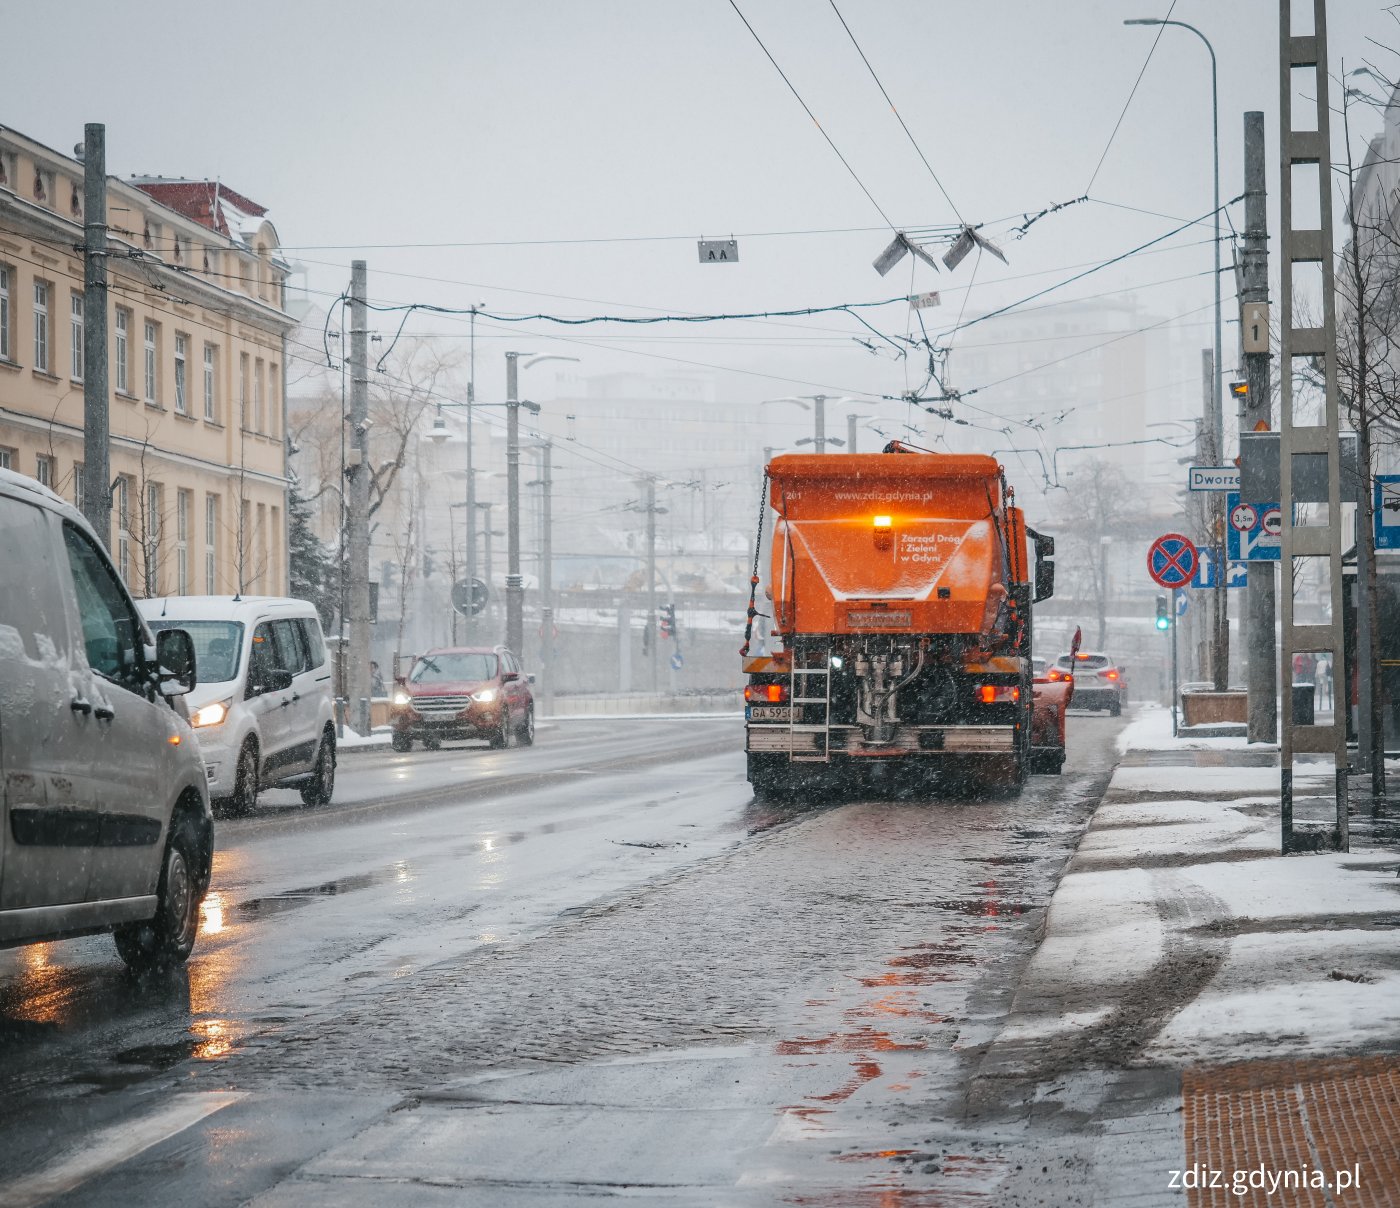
{"points": [[668, 620], [427, 565], [1164, 616]]}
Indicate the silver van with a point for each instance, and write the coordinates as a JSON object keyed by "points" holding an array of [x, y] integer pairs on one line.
{"points": [[106, 817]]}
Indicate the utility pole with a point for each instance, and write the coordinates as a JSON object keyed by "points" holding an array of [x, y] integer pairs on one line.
{"points": [[515, 588], [471, 486], [97, 469], [819, 414], [851, 433], [357, 522], [546, 578], [649, 501], [1220, 644], [1257, 409]]}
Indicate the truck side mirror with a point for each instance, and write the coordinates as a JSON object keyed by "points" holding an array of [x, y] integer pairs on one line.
{"points": [[1044, 580]]}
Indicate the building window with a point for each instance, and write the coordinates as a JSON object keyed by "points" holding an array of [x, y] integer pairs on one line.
{"points": [[211, 409], [75, 311], [41, 326], [7, 458], [75, 201], [79, 495], [181, 343], [152, 333], [152, 537], [41, 186], [5, 353], [124, 527], [211, 543], [259, 412], [123, 356], [182, 543], [43, 470], [274, 412], [243, 391]]}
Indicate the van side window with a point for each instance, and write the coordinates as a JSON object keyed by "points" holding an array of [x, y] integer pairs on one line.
{"points": [[315, 646], [290, 650], [262, 658], [31, 605], [111, 631]]}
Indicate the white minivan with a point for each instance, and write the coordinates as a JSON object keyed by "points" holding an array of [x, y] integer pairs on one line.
{"points": [[106, 819], [264, 708]]}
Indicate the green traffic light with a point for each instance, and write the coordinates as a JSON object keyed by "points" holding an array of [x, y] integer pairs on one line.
{"points": [[1164, 623]]}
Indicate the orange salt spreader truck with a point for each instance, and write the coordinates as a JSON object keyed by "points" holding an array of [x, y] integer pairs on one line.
{"points": [[901, 597]]}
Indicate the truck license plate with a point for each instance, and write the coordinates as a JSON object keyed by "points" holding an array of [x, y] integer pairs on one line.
{"points": [[769, 713]]}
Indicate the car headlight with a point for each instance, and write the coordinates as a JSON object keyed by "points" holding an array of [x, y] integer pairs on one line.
{"points": [[402, 698], [211, 715], [485, 696]]}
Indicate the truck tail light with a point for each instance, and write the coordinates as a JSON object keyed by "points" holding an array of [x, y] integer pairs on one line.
{"points": [[773, 694], [1056, 676], [990, 694]]}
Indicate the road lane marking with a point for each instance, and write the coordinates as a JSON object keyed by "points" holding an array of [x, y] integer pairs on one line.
{"points": [[114, 1145]]}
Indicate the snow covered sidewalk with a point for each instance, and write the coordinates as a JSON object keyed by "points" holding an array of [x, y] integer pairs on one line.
{"points": [[1180, 942]]}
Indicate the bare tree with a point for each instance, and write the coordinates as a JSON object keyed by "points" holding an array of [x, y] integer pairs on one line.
{"points": [[1090, 515]]}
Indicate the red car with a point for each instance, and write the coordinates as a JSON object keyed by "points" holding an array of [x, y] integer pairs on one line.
{"points": [[463, 692]]}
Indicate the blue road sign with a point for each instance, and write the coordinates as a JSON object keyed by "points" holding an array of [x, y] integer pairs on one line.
{"points": [[1183, 602], [676, 661], [1172, 560], [1252, 534], [1237, 576], [1387, 511]]}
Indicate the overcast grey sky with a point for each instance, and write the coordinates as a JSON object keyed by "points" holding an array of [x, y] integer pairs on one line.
{"points": [[501, 128]]}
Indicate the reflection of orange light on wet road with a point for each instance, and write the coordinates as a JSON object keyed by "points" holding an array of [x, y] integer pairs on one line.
{"points": [[212, 912], [215, 1039]]}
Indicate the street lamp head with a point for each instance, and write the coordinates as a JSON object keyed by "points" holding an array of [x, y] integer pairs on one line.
{"points": [[529, 406], [439, 432], [1144, 21], [548, 356]]}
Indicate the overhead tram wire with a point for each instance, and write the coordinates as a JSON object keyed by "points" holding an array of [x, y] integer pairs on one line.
{"points": [[845, 162], [899, 117], [1151, 50]]}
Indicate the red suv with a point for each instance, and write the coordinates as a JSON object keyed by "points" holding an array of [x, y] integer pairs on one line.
{"points": [[463, 692]]}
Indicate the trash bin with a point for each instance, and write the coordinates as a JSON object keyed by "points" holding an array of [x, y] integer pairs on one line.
{"points": [[1303, 696]]}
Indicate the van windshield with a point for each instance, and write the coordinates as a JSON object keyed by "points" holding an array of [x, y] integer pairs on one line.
{"points": [[218, 646], [450, 667]]}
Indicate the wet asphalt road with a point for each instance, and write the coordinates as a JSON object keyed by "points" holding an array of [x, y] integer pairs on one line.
{"points": [[587, 968]]}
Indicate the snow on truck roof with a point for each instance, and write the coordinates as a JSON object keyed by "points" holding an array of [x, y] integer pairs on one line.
{"points": [[884, 465]]}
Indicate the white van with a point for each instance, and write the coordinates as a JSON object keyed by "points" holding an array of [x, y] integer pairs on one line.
{"points": [[264, 708], [106, 820]]}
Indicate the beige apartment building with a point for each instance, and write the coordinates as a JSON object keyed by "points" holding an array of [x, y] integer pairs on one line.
{"points": [[196, 368]]}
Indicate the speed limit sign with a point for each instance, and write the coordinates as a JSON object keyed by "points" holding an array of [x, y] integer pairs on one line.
{"points": [[1243, 517]]}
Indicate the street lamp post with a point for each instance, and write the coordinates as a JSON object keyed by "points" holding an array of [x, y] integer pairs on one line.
{"points": [[815, 403], [1222, 620], [515, 584]]}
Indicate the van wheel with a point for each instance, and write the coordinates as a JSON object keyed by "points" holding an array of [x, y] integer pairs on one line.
{"points": [[500, 740], [318, 790], [526, 733], [168, 938], [245, 783], [401, 742]]}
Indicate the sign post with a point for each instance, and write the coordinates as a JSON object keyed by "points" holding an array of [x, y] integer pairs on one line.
{"points": [[1171, 561], [1175, 590]]}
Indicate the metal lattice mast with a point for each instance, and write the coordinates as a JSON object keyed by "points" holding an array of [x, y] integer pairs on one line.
{"points": [[1306, 545]]}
